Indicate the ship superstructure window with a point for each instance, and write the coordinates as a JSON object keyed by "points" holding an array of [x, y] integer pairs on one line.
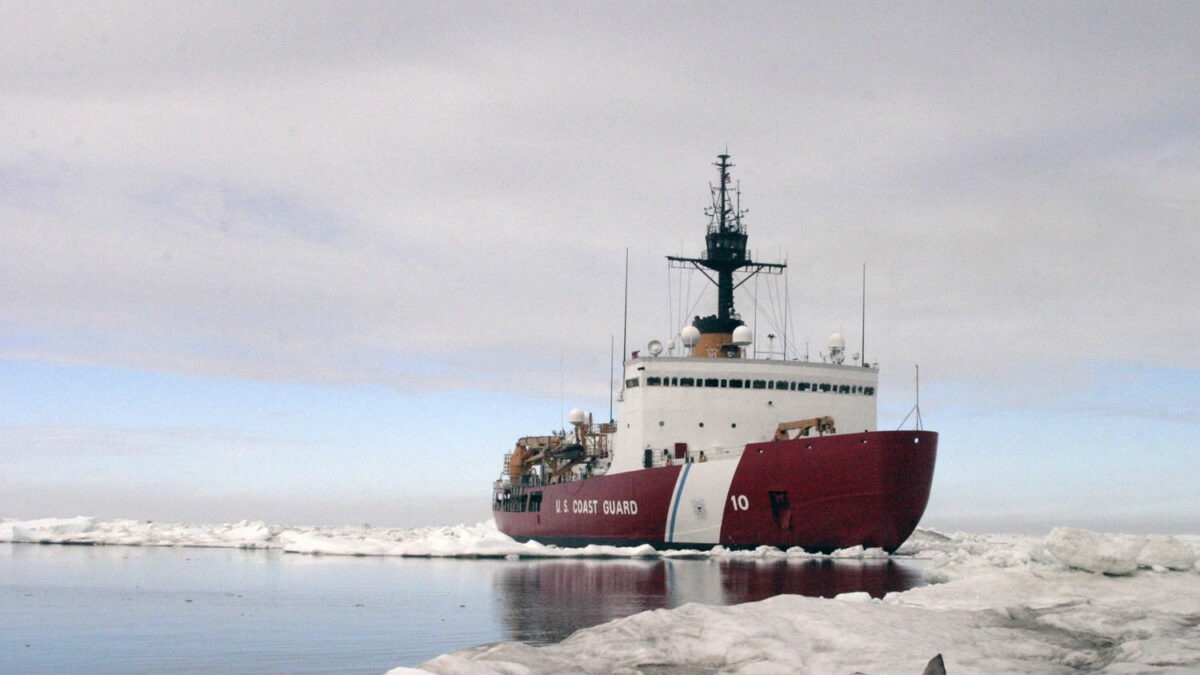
{"points": [[740, 383]]}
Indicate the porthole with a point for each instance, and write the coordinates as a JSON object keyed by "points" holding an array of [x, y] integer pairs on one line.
{"points": [[733, 426], [702, 425], [661, 423]]}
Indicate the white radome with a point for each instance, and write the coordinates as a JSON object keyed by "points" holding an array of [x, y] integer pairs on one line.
{"points": [[689, 336], [742, 336], [577, 416]]}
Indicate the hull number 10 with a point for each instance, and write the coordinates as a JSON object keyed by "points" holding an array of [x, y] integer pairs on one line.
{"points": [[739, 502]]}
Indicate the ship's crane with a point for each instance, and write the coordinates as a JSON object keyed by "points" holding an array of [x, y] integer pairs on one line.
{"points": [[823, 425], [559, 454]]}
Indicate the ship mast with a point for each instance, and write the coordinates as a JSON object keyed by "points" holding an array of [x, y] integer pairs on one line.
{"points": [[725, 254]]}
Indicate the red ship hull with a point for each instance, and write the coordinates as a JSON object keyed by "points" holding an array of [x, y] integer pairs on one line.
{"points": [[819, 493]]}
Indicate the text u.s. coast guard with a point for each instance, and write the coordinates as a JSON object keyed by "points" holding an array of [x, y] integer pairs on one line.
{"points": [[609, 507]]}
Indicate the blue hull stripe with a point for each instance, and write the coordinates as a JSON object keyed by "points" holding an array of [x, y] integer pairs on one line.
{"points": [[678, 496]]}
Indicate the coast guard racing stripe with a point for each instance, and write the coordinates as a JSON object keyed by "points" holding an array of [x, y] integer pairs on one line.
{"points": [[698, 502]]}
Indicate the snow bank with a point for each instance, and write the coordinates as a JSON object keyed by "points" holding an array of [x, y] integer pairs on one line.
{"points": [[996, 604]]}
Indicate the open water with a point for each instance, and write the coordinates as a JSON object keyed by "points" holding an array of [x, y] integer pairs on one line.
{"points": [[121, 609]]}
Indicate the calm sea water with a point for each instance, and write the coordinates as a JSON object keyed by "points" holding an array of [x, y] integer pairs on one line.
{"points": [[131, 609]]}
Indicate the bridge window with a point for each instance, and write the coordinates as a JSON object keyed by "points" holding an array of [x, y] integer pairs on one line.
{"points": [[844, 389], [781, 384], [824, 386], [869, 391], [674, 381], [803, 386], [711, 382], [735, 384], [631, 383], [653, 381], [760, 384]]}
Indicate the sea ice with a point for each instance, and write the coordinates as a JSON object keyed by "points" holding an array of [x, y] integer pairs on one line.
{"points": [[995, 603]]}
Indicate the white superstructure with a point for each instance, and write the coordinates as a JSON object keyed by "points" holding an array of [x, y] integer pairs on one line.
{"points": [[676, 407]]}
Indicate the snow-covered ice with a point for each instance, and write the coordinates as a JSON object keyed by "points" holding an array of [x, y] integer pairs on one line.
{"points": [[1073, 601], [459, 541], [994, 604]]}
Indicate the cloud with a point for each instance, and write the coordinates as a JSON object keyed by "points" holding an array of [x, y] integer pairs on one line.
{"points": [[440, 197]]}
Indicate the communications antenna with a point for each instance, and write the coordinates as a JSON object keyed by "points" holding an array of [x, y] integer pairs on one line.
{"points": [[916, 409]]}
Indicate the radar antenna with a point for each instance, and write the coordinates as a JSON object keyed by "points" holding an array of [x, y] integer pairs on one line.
{"points": [[725, 251]]}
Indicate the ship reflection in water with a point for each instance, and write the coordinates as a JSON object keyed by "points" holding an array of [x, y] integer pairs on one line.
{"points": [[546, 601]]}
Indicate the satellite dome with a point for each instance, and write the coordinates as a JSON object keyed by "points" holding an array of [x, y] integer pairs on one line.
{"points": [[742, 336], [577, 416], [837, 348], [690, 335]]}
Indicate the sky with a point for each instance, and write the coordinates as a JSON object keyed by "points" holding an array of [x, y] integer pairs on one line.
{"points": [[322, 263]]}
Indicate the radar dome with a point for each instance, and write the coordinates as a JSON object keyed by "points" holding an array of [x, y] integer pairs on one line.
{"points": [[690, 335], [577, 416], [837, 348], [742, 336]]}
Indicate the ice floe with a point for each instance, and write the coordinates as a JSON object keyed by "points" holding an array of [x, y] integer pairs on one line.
{"points": [[459, 541], [1074, 601]]}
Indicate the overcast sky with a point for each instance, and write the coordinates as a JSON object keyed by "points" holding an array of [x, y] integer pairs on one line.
{"points": [[323, 263]]}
